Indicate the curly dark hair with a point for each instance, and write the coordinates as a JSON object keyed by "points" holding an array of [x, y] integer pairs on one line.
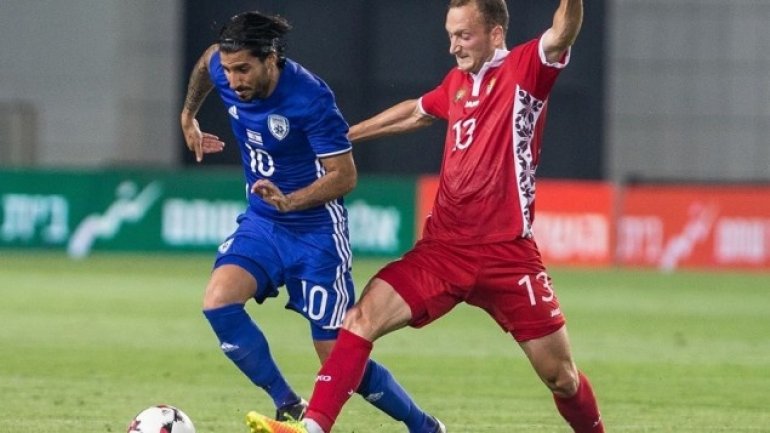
{"points": [[254, 31]]}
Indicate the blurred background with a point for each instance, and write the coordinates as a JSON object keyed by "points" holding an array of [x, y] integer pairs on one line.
{"points": [[657, 91]]}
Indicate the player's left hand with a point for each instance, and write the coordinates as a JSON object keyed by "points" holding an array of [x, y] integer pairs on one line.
{"points": [[271, 194]]}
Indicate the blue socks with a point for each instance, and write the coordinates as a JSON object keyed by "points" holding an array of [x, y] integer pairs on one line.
{"points": [[242, 341], [380, 388]]}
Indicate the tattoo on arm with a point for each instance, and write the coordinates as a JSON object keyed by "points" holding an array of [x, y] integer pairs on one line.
{"points": [[199, 85]]}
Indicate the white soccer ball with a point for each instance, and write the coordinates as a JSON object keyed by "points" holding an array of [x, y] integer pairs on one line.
{"points": [[161, 419]]}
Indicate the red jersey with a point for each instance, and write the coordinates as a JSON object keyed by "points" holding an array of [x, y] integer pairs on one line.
{"points": [[495, 121]]}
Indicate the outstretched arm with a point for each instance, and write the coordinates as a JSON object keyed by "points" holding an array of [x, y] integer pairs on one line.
{"points": [[566, 26], [198, 87], [403, 117]]}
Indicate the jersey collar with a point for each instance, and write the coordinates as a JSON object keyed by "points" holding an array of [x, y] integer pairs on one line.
{"points": [[497, 59]]}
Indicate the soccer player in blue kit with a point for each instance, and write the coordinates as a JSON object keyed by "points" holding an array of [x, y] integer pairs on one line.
{"points": [[298, 164]]}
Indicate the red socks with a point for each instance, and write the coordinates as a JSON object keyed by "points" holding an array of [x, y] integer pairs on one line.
{"points": [[342, 372], [338, 378], [581, 410]]}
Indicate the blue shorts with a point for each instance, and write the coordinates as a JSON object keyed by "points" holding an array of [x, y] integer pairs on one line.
{"points": [[313, 265]]}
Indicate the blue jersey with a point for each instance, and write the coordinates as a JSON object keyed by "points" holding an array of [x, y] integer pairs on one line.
{"points": [[283, 137]]}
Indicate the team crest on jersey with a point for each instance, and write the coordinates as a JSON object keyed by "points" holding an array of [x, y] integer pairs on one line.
{"points": [[459, 95], [278, 126]]}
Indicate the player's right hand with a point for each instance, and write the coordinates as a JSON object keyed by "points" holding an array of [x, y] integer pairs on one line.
{"points": [[201, 142]]}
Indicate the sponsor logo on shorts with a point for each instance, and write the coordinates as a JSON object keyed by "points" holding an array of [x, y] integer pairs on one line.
{"points": [[556, 312]]}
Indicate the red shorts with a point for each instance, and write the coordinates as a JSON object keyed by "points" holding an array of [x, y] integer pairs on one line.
{"points": [[506, 279]]}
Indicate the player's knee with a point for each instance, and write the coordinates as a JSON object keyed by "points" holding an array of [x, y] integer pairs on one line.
{"points": [[354, 318], [217, 295], [563, 382], [358, 322], [209, 303]]}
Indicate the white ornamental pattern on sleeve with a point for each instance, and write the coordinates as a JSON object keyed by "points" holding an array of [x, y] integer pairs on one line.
{"points": [[526, 111]]}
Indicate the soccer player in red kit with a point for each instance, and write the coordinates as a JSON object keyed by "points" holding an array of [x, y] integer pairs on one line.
{"points": [[477, 246]]}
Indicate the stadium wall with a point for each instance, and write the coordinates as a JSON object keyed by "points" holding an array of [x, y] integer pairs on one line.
{"points": [[578, 223], [678, 89], [90, 83], [687, 90]]}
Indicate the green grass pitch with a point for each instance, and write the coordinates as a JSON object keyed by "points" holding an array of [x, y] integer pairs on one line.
{"points": [[84, 345]]}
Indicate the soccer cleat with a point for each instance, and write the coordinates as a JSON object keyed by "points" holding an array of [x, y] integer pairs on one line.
{"points": [[292, 412], [261, 424], [440, 427]]}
